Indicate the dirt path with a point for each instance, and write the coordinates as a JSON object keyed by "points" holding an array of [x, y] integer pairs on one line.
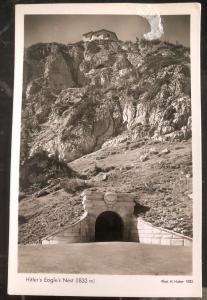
{"points": [[106, 258]]}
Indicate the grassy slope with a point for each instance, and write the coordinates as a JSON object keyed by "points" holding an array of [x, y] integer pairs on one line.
{"points": [[162, 183], [47, 214]]}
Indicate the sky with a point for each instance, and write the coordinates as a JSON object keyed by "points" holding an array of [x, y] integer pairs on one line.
{"points": [[67, 29]]}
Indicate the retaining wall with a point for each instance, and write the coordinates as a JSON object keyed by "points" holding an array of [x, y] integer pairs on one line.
{"points": [[149, 234], [134, 229], [76, 233]]}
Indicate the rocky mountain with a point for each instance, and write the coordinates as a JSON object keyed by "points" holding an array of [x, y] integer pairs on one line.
{"points": [[105, 114], [79, 96]]}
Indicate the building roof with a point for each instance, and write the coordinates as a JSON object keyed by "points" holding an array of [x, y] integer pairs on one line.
{"points": [[98, 31], [88, 33], [106, 30]]}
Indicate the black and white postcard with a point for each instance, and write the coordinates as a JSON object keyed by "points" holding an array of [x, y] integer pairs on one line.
{"points": [[106, 151]]}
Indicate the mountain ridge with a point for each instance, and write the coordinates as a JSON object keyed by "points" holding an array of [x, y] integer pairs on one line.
{"points": [[120, 82], [118, 114]]}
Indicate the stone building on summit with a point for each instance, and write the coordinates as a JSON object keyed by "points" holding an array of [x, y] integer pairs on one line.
{"points": [[102, 34]]}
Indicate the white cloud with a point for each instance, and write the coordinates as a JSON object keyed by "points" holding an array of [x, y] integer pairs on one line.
{"points": [[157, 31]]}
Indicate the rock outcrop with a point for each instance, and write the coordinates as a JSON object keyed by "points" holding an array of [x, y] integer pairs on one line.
{"points": [[78, 96], [41, 170]]}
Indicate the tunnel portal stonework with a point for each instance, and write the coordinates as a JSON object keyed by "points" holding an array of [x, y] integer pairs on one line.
{"points": [[122, 204], [120, 208]]}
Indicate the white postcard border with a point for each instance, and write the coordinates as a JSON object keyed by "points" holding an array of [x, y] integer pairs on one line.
{"points": [[108, 285]]}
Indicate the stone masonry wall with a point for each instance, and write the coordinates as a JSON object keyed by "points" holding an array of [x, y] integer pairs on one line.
{"points": [[134, 229], [76, 233], [149, 234]]}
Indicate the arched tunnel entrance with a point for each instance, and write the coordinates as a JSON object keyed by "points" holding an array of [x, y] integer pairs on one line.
{"points": [[109, 227]]}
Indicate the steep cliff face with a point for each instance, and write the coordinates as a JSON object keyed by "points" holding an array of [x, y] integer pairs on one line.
{"points": [[131, 102], [77, 97]]}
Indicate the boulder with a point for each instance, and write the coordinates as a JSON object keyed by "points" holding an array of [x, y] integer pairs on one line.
{"points": [[165, 151], [144, 157]]}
